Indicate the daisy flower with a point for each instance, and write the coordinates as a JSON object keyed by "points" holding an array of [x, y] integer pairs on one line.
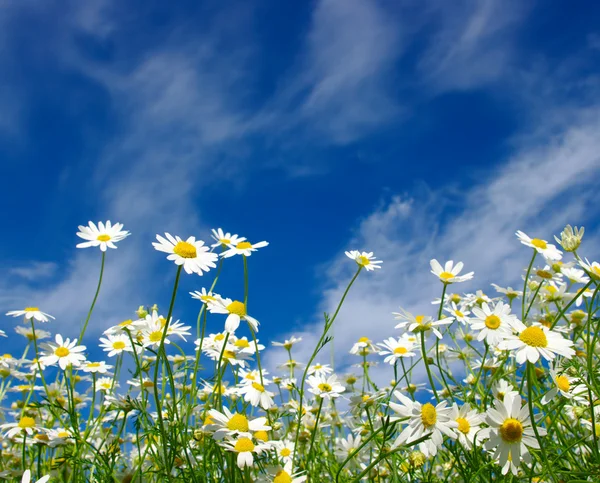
{"points": [[565, 385], [245, 447], [510, 433], [193, 255], [570, 238], [325, 387], [285, 450], [364, 259], [64, 352], [27, 478], [96, 367], [243, 248], [103, 236], [285, 474], [548, 250], [348, 447], [592, 268], [535, 341], [28, 332], [461, 314], [205, 296], [31, 313], [575, 275], [115, 344], [502, 388], [228, 424], [288, 343], [450, 272], [257, 395], [508, 291], [26, 425], [396, 349], [424, 419], [363, 347], [469, 422], [225, 239], [319, 370], [236, 312], [493, 323], [420, 323]]}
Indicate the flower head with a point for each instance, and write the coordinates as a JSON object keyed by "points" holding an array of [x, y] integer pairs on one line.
{"points": [[364, 259], [548, 250], [570, 238], [450, 272], [105, 235], [191, 253], [31, 313]]}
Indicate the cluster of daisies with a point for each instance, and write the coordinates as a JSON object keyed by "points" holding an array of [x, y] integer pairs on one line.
{"points": [[482, 387]]}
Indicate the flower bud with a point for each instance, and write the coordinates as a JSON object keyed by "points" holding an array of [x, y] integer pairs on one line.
{"points": [[570, 238]]}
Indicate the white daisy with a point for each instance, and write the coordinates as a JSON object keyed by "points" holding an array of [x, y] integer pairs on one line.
{"points": [[245, 447], [257, 395], [565, 385], [319, 370], [424, 419], [396, 349], [450, 272], [96, 367], [493, 323], [531, 342], [225, 239], [103, 236], [508, 291], [285, 474], [510, 433], [205, 296], [236, 311], [325, 387], [420, 323], [548, 250], [288, 343], [243, 248], [31, 313], [228, 424], [64, 352], [115, 344], [364, 259], [469, 422], [193, 255]]}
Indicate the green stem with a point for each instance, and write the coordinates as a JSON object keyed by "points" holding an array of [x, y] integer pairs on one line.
{"points": [[93, 301], [525, 285]]}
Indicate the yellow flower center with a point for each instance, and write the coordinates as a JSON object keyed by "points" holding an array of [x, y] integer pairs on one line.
{"points": [[400, 350], [362, 260], [492, 322], [61, 352], [103, 238], [244, 445], [285, 452], [261, 436], [258, 387], [458, 313], [185, 250], [93, 364], [125, 323], [42, 437], [242, 343], [119, 345], [63, 434], [148, 384], [155, 336], [243, 245], [544, 274], [325, 387], [236, 307], [238, 422], [534, 337], [224, 241], [282, 477], [419, 319], [563, 383], [541, 244], [229, 354], [463, 425], [219, 337], [511, 430], [363, 339], [446, 276], [428, 415], [26, 422], [31, 309]]}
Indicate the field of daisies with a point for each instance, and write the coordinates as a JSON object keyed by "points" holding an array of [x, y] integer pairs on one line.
{"points": [[498, 387]]}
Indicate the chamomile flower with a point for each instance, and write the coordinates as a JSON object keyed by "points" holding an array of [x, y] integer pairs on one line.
{"points": [[510, 293], [288, 343], [116, 344], [395, 349], [285, 450], [424, 419], [244, 446], [325, 387], [469, 422], [31, 313], [26, 424], [26, 331], [96, 367], [225, 239], [243, 248], [532, 342], [236, 312], [575, 275], [549, 251], [257, 395], [461, 314], [105, 235], [420, 323], [492, 323], [319, 370], [227, 424], [591, 268], [64, 352], [364, 259], [450, 272], [285, 474], [192, 254], [565, 385], [205, 296], [363, 347], [510, 433]]}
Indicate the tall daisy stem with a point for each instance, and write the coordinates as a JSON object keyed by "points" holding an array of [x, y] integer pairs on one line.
{"points": [[89, 315]]}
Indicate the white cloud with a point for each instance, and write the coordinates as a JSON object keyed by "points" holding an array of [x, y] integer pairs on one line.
{"points": [[549, 181], [34, 270]]}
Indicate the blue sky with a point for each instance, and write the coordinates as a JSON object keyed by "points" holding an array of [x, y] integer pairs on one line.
{"points": [[412, 129]]}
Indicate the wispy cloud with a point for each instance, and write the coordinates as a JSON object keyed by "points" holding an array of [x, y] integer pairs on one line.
{"points": [[34, 270]]}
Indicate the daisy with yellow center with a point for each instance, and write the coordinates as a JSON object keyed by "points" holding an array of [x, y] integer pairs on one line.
{"points": [[205, 296], [257, 395], [116, 344], [420, 323], [30, 313], [364, 259], [510, 433], [227, 424], [245, 446], [105, 235], [534, 341], [236, 312], [96, 367], [395, 349], [64, 352], [25, 424], [325, 387], [449, 273], [319, 370], [565, 385], [492, 322], [424, 419], [243, 247], [192, 254], [469, 422], [549, 251]]}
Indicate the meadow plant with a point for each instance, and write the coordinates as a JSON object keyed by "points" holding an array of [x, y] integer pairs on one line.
{"points": [[483, 388]]}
